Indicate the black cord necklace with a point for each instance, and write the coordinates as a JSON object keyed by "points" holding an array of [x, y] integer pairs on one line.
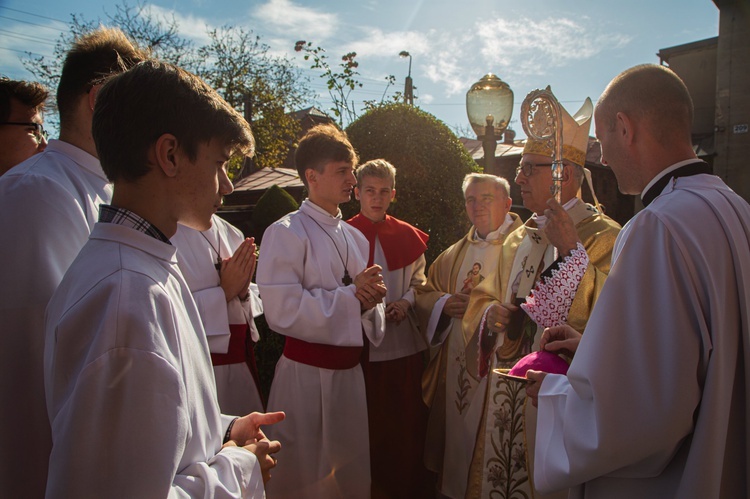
{"points": [[347, 280], [217, 265]]}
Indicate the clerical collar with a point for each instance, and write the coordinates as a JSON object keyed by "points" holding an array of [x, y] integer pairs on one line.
{"points": [[121, 216], [497, 233], [320, 210], [541, 220], [684, 168]]}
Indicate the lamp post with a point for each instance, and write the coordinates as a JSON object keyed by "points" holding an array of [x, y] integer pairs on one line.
{"points": [[408, 86], [489, 105]]}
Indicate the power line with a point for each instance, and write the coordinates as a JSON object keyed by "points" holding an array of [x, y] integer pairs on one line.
{"points": [[29, 22], [25, 52], [33, 14], [30, 38]]}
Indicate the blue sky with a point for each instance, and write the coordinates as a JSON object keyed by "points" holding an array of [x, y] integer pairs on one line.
{"points": [[576, 46]]}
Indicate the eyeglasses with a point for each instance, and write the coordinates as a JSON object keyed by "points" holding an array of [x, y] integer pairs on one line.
{"points": [[528, 168], [39, 131]]}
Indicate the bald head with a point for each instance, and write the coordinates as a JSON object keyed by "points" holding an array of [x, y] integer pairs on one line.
{"points": [[653, 95]]}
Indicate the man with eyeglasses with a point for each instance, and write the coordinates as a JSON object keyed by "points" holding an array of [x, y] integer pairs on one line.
{"points": [[451, 387], [48, 206], [555, 265], [21, 132]]}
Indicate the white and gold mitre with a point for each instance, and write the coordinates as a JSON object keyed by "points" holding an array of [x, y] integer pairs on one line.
{"points": [[575, 136]]}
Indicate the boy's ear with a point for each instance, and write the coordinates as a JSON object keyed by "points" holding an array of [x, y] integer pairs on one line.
{"points": [[93, 93], [310, 175], [165, 153], [356, 193]]}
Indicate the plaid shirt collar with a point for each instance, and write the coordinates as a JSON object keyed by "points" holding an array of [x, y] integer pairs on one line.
{"points": [[113, 215]]}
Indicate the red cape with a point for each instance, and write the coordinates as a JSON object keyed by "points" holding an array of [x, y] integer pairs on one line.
{"points": [[401, 242]]}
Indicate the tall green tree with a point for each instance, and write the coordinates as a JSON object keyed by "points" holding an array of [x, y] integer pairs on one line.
{"points": [[234, 61], [265, 88]]}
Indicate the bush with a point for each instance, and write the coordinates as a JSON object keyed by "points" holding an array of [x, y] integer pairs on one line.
{"points": [[272, 205], [430, 162]]}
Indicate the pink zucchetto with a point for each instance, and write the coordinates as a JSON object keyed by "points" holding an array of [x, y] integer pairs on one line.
{"points": [[540, 361]]}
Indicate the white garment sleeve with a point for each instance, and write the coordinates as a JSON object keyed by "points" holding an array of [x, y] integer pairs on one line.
{"points": [[435, 337], [127, 417], [632, 389], [212, 307], [300, 298], [418, 278]]}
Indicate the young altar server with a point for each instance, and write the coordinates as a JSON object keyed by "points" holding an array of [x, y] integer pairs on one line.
{"points": [[218, 264], [128, 381], [318, 292], [393, 370]]}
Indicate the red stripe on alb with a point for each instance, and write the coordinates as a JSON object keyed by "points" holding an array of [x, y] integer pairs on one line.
{"points": [[236, 353], [323, 356]]}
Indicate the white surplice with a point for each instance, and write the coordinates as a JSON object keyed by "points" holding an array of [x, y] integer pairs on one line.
{"points": [[196, 255], [655, 403], [402, 339], [324, 438], [129, 385], [48, 205]]}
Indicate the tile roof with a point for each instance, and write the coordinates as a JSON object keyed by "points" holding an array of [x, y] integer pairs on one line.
{"points": [[267, 177]]}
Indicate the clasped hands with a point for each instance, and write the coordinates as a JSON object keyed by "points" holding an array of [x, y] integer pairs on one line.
{"points": [[396, 310], [246, 433], [370, 287], [236, 271]]}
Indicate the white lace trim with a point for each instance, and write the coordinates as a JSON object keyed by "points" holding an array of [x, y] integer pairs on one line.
{"points": [[549, 302]]}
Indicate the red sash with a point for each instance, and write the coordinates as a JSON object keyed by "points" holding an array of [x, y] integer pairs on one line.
{"points": [[323, 356], [236, 353]]}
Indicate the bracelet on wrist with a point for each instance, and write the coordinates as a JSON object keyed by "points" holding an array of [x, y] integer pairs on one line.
{"points": [[228, 434]]}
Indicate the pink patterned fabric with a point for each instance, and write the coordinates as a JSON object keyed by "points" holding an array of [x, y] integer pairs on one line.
{"points": [[549, 302], [544, 361]]}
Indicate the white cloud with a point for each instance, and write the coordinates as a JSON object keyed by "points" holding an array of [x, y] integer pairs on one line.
{"points": [[524, 45], [303, 23], [426, 98], [449, 62], [378, 43], [190, 27]]}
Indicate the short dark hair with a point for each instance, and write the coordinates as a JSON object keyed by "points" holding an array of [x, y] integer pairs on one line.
{"points": [[29, 93], [321, 145], [93, 57], [135, 108]]}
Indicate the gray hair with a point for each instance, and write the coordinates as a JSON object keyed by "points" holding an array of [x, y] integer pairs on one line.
{"points": [[479, 178]]}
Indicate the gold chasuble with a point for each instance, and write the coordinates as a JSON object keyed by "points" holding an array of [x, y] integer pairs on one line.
{"points": [[448, 386], [503, 453]]}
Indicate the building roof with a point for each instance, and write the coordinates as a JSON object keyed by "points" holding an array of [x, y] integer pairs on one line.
{"points": [[475, 148], [310, 111], [267, 177], [666, 53]]}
